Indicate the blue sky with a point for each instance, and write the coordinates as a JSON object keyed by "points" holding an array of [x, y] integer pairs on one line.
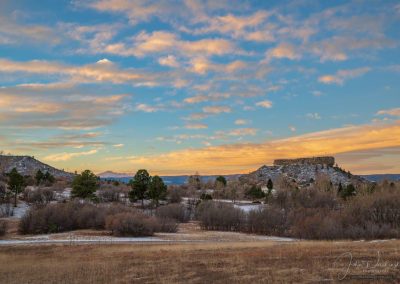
{"points": [[209, 86]]}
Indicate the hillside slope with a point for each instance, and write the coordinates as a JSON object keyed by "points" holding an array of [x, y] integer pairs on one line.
{"points": [[26, 165]]}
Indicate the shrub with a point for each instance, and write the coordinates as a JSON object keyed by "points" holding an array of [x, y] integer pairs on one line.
{"points": [[268, 220], [3, 192], [62, 217], [219, 216], [91, 217], [174, 195], [177, 212], [121, 220], [314, 198], [255, 192], [311, 213], [39, 196], [312, 223], [109, 195], [128, 224], [205, 196], [3, 227], [167, 225]]}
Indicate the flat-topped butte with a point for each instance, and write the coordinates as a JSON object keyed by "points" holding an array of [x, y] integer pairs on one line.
{"points": [[327, 160]]}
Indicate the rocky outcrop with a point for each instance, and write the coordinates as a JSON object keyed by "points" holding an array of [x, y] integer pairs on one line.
{"points": [[28, 166], [328, 161], [304, 171]]}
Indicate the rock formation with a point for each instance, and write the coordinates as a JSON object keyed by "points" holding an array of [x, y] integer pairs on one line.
{"points": [[328, 161], [303, 171]]}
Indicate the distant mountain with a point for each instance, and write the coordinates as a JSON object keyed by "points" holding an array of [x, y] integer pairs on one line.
{"points": [[27, 165], [381, 177], [169, 180], [111, 174]]}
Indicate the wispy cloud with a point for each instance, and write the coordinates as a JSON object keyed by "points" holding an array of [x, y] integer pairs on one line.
{"points": [[342, 75], [284, 50], [264, 104], [391, 112], [196, 126], [68, 156], [242, 121], [217, 109]]}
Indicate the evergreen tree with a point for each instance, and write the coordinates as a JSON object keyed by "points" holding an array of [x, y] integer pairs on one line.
{"points": [[340, 188], [85, 185], [15, 183], [140, 185], [39, 177], [255, 192], [348, 191], [270, 184], [49, 178], [157, 189], [221, 180]]}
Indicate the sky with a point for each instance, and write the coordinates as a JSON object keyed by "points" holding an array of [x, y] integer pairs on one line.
{"points": [[215, 87]]}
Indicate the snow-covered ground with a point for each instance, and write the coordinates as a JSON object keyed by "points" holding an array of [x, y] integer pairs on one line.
{"points": [[186, 199], [248, 207], [244, 205], [18, 211], [173, 238], [80, 240]]}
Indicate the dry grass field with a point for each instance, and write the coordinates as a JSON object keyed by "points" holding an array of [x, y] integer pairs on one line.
{"points": [[224, 262]]}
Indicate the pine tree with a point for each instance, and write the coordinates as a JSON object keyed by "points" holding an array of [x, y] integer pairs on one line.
{"points": [[157, 189], [270, 184], [15, 183], [140, 185], [85, 185], [39, 177]]}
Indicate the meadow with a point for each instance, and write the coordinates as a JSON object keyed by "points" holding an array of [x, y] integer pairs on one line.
{"points": [[208, 262]]}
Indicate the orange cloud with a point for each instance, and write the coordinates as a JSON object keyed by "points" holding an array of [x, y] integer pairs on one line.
{"points": [[196, 126], [264, 104], [392, 112], [217, 109], [284, 50], [342, 75], [163, 42], [68, 156], [99, 72], [241, 158]]}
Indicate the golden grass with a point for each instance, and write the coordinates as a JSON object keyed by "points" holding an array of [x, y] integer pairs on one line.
{"points": [[230, 262]]}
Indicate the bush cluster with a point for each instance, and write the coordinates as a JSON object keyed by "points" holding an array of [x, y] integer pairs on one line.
{"points": [[131, 224], [311, 214], [39, 196], [121, 220], [174, 211], [109, 195], [219, 216]]}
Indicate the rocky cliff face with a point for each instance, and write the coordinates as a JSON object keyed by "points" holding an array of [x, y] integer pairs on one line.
{"points": [[329, 161], [304, 171], [26, 165]]}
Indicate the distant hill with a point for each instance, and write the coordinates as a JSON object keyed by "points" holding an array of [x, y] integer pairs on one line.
{"points": [[381, 177], [27, 165], [304, 171]]}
